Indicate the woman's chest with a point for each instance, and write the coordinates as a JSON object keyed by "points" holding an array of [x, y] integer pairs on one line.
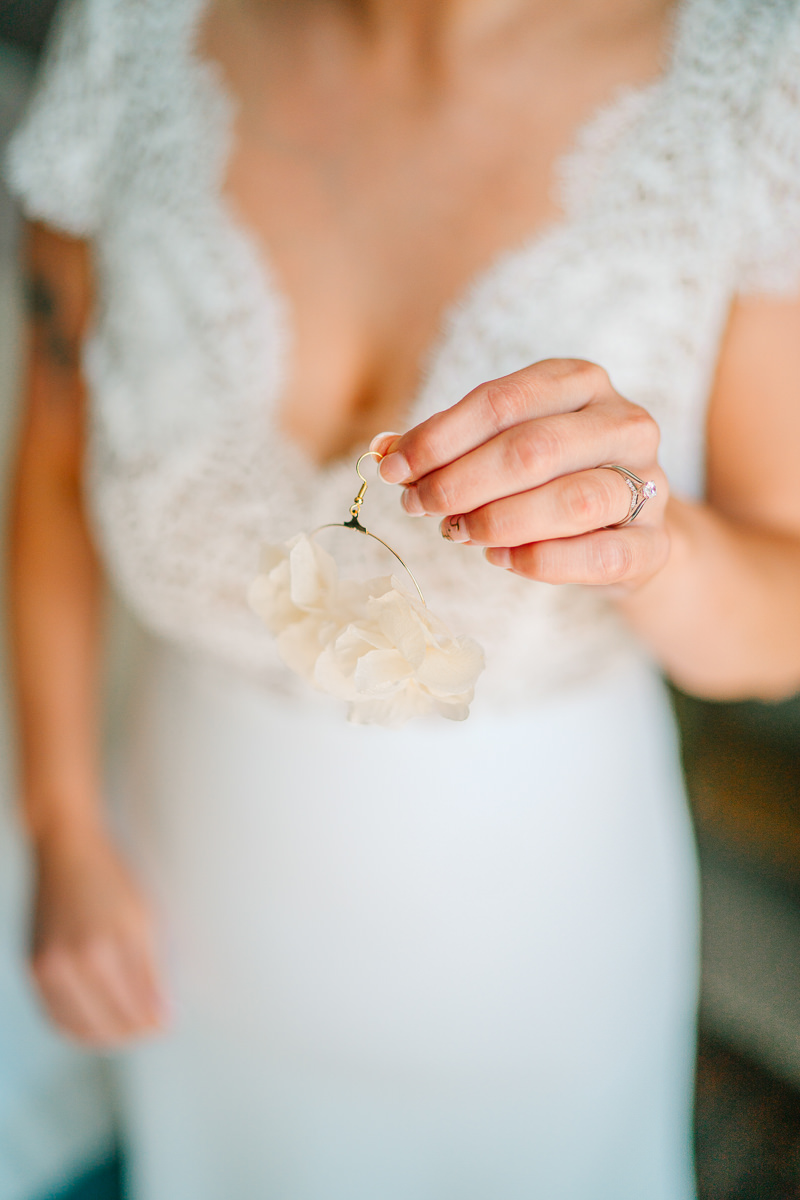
{"points": [[308, 284], [368, 255], [378, 193], [370, 244]]}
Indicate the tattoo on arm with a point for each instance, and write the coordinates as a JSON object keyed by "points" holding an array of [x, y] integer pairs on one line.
{"points": [[42, 305]]}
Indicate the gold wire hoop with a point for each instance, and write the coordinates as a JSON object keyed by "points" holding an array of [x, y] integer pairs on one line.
{"points": [[355, 523]]}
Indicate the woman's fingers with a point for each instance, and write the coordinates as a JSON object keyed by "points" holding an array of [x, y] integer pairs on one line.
{"points": [[145, 977], [533, 453], [115, 972], [63, 996], [517, 465], [102, 989], [603, 558], [564, 508], [72, 1000], [544, 389], [97, 993], [94, 941]]}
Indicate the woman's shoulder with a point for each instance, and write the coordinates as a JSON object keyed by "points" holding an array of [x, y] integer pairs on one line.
{"points": [[769, 138], [730, 118], [54, 160], [732, 48], [99, 56]]}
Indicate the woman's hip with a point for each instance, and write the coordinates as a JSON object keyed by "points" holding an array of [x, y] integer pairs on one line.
{"points": [[441, 887]]}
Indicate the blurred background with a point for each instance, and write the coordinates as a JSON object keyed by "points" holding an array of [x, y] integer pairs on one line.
{"points": [[743, 769]]}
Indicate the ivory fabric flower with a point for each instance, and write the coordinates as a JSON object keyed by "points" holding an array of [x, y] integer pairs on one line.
{"points": [[368, 643]]}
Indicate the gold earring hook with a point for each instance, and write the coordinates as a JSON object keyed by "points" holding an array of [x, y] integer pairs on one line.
{"points": [[355, 507], [354, 522], [367, 454]]}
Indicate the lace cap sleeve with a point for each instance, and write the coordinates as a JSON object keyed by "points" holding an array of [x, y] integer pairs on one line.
{"points": [[58, 160], [770, 242]]}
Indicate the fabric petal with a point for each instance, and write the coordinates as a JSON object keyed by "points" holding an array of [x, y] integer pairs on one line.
{"points": [[269, 598], [393, 711], [381, 671], [452, 669], [313, 574], [453, 711], [401, 625], [301, 643], [365, 642], [335, 668]]}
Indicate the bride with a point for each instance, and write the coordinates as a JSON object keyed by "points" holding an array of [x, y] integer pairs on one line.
{"points": [[554, 249]]}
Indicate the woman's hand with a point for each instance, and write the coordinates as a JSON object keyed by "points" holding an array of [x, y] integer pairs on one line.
{"points": [[94, 958], [93, 951], [515, 467]]}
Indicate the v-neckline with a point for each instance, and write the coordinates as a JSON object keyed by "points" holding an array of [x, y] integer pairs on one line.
{"points": [[567, 168]]}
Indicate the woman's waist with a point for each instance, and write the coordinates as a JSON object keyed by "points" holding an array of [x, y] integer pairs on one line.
{"points": [[605, 691]]}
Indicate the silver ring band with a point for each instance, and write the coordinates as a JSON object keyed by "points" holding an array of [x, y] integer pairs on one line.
{"points": [[641, 491]]}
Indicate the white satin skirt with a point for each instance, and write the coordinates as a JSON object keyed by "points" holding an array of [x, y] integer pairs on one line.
{"points": [[454, 962]]}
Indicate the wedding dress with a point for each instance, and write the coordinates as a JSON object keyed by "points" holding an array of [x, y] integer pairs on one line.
{"points": [[450, 960]]}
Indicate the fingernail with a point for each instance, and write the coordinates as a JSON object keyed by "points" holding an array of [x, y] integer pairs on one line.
{"points": [[454, 529], [383, 443], [498, 556], [412, 503], [394, 468]]}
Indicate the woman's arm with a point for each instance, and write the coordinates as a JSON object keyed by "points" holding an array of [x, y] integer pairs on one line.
{"points": [[724, 615], [713, 588], [93, 955], [54, 583]]}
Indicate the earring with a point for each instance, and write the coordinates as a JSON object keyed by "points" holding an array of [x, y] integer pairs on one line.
{"points": [[355, 521], [369, 643]]}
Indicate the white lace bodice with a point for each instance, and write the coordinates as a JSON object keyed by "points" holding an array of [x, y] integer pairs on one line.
{"points": [[677, 196]]}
